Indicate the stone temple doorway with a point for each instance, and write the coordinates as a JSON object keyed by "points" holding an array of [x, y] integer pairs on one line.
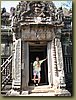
{"points": [[40, 51]]}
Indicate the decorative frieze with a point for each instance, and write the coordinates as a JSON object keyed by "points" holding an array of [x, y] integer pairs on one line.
{"points": [[37, 32]]}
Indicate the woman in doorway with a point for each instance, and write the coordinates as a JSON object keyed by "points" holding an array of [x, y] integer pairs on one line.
{"points": [[37, 69]]}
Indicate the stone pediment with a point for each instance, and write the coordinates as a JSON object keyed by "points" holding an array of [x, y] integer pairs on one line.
{"points": [[34, 9], [37, 12]]}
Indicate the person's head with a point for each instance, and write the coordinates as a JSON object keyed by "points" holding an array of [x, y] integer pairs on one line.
{"points": [[37, 58]]}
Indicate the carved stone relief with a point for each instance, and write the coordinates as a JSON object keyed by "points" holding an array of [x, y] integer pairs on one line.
{"points": [[60, 61], [33, 32]]}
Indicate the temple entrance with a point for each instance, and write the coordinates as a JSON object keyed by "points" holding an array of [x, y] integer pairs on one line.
{"points": [[41, 52]]}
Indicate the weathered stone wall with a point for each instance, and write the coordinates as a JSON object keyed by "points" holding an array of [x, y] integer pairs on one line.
{"points": [[37, 32]]}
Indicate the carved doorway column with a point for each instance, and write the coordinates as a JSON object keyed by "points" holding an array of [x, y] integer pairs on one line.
{"points": [[16, 64], [60, 66]]}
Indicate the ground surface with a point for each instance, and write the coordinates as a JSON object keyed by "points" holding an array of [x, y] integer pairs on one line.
{"points": [[44, 90]]}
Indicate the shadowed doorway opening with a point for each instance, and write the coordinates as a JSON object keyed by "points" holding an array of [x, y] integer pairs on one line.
{"points": [[41, 52]]}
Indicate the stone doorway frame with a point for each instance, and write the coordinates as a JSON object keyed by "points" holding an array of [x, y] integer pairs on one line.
{"points": [[25, 78]]}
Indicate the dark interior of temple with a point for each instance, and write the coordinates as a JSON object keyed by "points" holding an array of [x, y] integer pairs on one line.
{"points": [[41, 52]]}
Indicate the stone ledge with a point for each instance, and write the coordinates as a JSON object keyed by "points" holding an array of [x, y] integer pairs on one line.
{"points": [[57, 92]]}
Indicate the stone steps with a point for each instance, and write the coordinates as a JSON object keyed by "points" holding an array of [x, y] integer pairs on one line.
{"points": [[40, 89], [44, 90], [41, 94]]}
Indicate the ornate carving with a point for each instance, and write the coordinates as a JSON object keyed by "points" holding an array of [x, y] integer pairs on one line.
{"points": [[34, 9], [60, 62], [59, 14], [5, 17], [37, 12], [16, 65], [58, 33], [12, 12], [35, 32]]}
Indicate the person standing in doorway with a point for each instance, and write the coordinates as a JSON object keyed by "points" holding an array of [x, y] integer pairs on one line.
{"points": [[37, 69]]}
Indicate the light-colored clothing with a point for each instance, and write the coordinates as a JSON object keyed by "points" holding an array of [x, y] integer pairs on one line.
{"points": [[37, 66], [36, 73]]}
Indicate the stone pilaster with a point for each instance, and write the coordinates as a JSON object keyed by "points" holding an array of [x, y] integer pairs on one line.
{"points": [[54, 65], [16, 64], [60, 66], [25, 65]]}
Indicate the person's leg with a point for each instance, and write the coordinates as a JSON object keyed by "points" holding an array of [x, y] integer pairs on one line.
{"points": [[34, 76], [38, 77]]}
